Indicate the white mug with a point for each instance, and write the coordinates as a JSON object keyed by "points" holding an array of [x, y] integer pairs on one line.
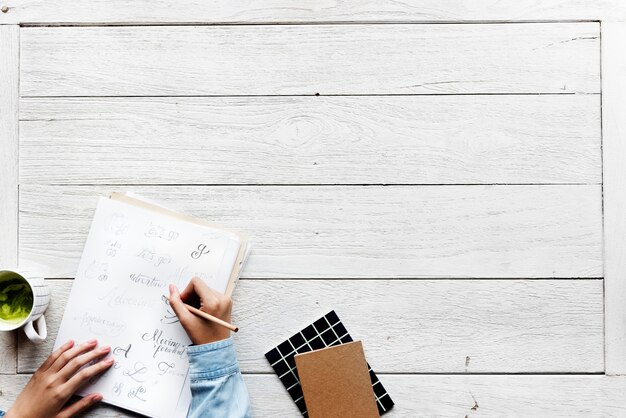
{"points": [[41, 297]]}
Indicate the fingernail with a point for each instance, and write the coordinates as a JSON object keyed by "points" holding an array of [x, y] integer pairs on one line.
{"points": [[110, 360], [171, 288], [97, 397], [69, 343], [106, 349], [91, 342]]}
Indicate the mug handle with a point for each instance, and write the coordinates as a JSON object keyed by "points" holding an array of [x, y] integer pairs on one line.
{"points": [[32, 335]]}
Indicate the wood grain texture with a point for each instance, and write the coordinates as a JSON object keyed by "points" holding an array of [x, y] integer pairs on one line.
{"points": [[8, 348], [474, 396], [309, 59], [312, 140], [437, 396], [614, 143], [343, 231], [9, 144], [284, 11], [9, 97], [419, 326]]}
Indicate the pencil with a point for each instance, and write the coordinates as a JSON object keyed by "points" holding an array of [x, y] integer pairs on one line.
{"points": [[210, 317]]}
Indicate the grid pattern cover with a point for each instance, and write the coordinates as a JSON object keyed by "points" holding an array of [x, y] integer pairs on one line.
{"points": [[325, 332]]}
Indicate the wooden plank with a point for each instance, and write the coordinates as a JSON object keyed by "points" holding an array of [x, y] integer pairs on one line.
{"points": [[474, 396], [310, 59], [321, 140], [415, 326], [284, 11], [9, 96], [614, 143], [348, 231], [438, 396], [8, 347]]}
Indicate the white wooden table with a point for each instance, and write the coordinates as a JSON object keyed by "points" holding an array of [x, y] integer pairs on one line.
{"points": [[449, 176]]}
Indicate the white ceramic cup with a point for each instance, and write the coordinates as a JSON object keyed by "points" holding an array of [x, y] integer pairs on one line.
{"points": [[41, 298]]}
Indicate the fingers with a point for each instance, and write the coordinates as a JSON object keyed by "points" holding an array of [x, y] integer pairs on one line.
{"points": [[77, 363], [73, 352], [195, 291], [208, 299], [197, 287], [55, 355], [189, 291], [87, 373], [79, 406], [179, 308]]}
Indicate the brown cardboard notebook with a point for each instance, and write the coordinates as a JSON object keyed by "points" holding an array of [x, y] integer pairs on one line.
{"points": [[336, 382]]}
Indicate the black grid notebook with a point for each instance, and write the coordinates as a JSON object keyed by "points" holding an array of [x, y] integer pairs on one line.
{"points": [[325, 332]]}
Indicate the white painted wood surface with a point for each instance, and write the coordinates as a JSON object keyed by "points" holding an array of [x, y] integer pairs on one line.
{"points": [[284, 11], [614, 142], [354, 231], [242, 161], [414, 326], [8, 347], [312, 140], [309, 59], [439, 396], [9, 97]]}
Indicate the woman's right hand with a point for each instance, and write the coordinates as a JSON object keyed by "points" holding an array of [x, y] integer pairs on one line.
{"points": [[201, 296]]}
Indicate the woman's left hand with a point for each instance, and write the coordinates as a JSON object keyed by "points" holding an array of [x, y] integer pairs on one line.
{"points": [[62, 374]]}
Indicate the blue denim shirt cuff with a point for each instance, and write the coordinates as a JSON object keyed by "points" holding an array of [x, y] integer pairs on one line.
{"points": [[213, 360], [1, 413]]}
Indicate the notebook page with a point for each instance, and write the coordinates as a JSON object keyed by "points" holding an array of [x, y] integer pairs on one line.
{"points": [[244, 249], [130, 257]]}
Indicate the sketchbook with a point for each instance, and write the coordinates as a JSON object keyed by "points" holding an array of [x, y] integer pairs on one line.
{"points": [[134, 250]]}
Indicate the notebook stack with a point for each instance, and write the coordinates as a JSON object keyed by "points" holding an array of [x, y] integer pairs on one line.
{"points": [[327, 331]]}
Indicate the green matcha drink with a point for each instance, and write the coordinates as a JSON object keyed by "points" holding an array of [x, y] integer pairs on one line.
{"points": [[16, 298]]}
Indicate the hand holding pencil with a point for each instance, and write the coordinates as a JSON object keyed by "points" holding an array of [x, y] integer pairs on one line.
{"points": [[202, 329]]}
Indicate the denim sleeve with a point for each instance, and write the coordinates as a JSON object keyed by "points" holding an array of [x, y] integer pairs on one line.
{"points": [[1, 414], [217, 387]]}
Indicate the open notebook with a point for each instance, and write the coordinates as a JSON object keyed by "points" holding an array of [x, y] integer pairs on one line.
{"points": [[134, 250]]}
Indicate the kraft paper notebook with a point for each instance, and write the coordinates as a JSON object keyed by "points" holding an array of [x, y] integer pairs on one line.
{"points": [[336, 382], [134, 250]]}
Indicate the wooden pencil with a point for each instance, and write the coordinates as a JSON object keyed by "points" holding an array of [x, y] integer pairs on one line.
{"points": [[209, 317]]}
